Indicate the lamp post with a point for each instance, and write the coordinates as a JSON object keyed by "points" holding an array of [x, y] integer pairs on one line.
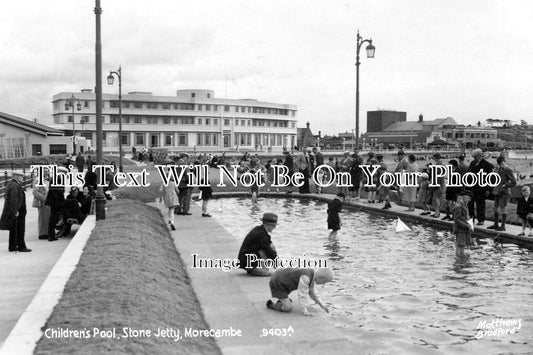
{"points": [[110, 79], [70, 105], [100, 199], [370, 50]]}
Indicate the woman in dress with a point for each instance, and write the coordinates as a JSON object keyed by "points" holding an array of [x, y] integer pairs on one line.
{"points": [[169, 194]]}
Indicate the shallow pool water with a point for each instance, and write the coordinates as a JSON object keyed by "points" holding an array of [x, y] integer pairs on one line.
{"points": [[401, 292]]}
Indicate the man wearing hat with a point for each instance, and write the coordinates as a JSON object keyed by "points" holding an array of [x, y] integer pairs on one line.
{"points": [[289, 163], [480, 193], [502, 193], [304, 165], [259, 243], [14, 214], [461, 227]]}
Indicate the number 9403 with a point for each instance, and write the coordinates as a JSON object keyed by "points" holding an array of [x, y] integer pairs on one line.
{"points": [[278, 332]]}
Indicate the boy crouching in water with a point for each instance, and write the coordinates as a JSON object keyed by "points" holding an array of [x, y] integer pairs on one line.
{"points": [[461, 227], [284, 281]]}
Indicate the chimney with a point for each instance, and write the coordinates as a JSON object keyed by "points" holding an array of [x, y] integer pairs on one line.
{"points": [[420, 118], [319, 134], [307, 124]]}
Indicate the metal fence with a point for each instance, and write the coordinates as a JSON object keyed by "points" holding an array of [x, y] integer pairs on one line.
{"points": [[5, 178]]}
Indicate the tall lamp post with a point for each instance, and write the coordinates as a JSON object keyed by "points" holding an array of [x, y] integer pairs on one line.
{"points": [[110, 79], [70, 105], [370, 50], [100, 199]]}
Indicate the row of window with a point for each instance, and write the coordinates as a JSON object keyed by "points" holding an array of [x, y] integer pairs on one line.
{"points": [[201, 107], [471, 135], [186, 107], [202, 139], [207, 121]]}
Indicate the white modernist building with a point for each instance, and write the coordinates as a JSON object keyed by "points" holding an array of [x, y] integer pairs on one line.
{"points": [[193, 120]]}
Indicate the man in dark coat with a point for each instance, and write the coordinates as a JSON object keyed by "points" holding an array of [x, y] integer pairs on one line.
{"points": [[480, 193], [184, 190], [55, 199], [319, 157], [259, 243], [289, 163], [80, 162], [14, 214], [303, 163]]}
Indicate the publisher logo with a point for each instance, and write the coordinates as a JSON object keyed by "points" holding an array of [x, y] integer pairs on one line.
{"points": [[498, 327]]}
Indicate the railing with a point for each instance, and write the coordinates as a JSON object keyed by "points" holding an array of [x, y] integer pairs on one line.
{"points": [[5, 178]]}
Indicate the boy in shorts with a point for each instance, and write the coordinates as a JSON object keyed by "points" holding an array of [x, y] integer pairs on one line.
{"points": [[461, 227], [524, 210], [284, 281]]}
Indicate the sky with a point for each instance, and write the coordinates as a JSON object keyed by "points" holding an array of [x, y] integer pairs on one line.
{"points": [[470, 60]]}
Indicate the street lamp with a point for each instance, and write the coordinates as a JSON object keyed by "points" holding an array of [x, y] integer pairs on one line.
{"points": [[370, 50], [110, 79], [100, 199], [70, 105]]}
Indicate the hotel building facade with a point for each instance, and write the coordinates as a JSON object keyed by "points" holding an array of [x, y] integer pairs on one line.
{"points": [[193, 120]]}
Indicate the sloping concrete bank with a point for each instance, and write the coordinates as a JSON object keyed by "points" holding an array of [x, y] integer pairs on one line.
{"points": [[508, 236], [129, 293]]}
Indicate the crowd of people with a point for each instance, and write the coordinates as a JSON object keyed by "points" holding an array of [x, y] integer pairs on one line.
{"points": [[58, 207], [458, 203]]}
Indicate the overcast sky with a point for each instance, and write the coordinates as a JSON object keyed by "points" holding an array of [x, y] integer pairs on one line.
{"points": [[470, 60]]}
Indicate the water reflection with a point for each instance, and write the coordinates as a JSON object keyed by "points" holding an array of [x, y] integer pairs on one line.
{"points": [[333, 246], [401, 290]]}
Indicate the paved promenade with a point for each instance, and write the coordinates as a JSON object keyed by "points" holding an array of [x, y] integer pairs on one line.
{"points": [[234, 299], [21, 274]]}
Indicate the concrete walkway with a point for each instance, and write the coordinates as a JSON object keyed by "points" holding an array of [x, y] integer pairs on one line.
{"points": [[233, 299], [21, 274]]}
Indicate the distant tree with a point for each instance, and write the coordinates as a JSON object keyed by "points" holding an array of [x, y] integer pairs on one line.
{"points": [[523, 123]]}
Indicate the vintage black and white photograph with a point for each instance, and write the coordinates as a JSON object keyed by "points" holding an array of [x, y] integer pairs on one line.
{"points": [[258, 177]]}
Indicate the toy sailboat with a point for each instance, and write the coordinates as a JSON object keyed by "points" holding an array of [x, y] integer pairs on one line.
{"points": [[471, 223], [402, 227]]}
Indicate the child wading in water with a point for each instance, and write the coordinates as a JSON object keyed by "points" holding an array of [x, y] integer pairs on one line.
{"points": [[334, 207], [461, 227], [254, 189], [284, 281]]}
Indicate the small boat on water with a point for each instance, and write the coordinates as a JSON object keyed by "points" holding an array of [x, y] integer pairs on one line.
{"points": [[520, 154]]}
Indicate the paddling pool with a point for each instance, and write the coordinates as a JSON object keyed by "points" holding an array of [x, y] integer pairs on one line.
{"points": [[402, 292]]}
